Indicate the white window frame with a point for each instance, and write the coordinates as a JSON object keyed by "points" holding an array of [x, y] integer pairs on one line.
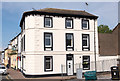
{"points": [[71, 22], [51, 63], [87, 40], [83, 21], [70, 48], [50, 41], [48, 47], [71, 42], [50, 20], [88, 60]]}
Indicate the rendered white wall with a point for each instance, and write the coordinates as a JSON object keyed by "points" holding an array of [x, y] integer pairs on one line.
{"points": [[34, 43], [34, 34]]}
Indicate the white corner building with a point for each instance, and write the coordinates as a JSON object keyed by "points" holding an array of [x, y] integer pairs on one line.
{"points": [[55, 41]]}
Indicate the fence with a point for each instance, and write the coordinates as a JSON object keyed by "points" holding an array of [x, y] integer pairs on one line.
{"points": [[102, 66]]}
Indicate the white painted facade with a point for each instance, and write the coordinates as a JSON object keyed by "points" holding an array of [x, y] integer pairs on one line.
{"points": [[33, 63], [19, 52]]}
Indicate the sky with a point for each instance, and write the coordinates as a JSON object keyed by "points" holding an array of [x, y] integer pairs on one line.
{"points": [[12, 13]]}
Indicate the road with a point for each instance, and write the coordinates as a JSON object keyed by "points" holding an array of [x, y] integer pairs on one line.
{"points": [[4, 78]]}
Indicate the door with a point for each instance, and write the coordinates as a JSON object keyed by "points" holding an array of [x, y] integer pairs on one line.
{"points": [[9, 61], [69, 64]]}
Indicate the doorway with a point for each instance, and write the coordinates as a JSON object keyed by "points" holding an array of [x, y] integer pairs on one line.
{"points": [[69, 64]]}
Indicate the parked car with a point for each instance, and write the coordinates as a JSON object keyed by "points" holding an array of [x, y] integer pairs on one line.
{"points": [[3, 69]]}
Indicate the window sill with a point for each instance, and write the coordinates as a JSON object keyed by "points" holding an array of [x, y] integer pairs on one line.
{"points": [[69, 27], [48, 70], [48, 27]]}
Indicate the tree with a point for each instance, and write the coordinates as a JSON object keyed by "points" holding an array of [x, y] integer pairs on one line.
{"points": [[104, 29]]}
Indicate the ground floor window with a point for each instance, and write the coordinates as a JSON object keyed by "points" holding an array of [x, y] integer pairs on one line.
{"points": [[86, 62], [48, 63]]}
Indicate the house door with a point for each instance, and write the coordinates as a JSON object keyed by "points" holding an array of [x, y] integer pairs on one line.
{"points": [[70, 64]]}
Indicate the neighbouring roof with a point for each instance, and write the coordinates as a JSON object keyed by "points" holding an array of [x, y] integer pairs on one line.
{"points": [[15, 37], [59, 12], [6, 48], [118, 25]]}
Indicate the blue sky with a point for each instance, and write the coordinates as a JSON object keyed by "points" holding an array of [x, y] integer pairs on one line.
{"points": [[12, 13]]}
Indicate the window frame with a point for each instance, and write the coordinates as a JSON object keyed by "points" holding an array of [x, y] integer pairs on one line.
{"points": [[51, 22], [87, 24], [71, 47], [51, 46], [51, 64], [24, 43], [69, 19], [23, 26], [86, 48], [86, 61]]}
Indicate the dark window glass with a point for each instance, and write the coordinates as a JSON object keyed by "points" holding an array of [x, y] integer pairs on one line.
{"points": [[86, 62], [48, 63], [48, 22], [85, 42], [47, 40], [85, 24], [69, 40], [85, 39], [69, 23], [21, 44], [24, 43]]}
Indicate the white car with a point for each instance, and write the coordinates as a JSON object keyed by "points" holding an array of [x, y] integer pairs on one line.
{"points": [[3, 69]]}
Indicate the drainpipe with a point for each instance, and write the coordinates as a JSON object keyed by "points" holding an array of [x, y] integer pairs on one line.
{"points": [[95, 47], [118, 53]]}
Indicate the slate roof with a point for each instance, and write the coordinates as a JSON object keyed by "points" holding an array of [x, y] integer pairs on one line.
{"points": [[59, 12]]}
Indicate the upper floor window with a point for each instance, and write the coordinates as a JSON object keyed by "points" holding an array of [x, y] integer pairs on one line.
{"points": [[48, 22], [23, 43], [23, 26], [69, 42], [48, 41], [85, 24], [85, 42], [69, 23]]}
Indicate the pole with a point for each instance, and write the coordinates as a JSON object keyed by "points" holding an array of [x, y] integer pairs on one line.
{"points": [[62, 71], [95, 47]]}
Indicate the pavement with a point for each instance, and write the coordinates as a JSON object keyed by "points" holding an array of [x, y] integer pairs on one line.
{"points": [[17, 75], [14, 74]]}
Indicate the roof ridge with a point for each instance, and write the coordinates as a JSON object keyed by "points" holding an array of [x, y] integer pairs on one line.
{"points": [[60, 12], [61, 9]]}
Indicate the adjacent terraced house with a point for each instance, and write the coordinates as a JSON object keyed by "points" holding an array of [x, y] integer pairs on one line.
{"points": [[55, 38]]}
